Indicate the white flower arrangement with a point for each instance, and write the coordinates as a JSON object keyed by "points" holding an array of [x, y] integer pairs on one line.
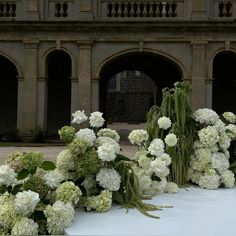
{"points": [[208, 136], [229, 117], [79, 117], [96, 120], [101, 140], [171, 140], [171, 187], [109, 133], [106, 152], [26, 202], [109, 179], [86, 134], [54, 178], [138, 137], [206, 116], [156, 147], [7, 175], [164, 122], [25, 226]]}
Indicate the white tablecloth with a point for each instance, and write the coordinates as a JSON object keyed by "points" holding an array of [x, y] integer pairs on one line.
{"points": [[196, 212]]}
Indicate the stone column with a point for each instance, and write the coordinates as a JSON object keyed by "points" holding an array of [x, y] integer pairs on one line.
{"points": [[74, 92], [199, 9], [198, 74], [95, 95], [86, 9], [32, 9], [29, 98], [20, 104], [84, 90], [209, 84], [42, 102]]}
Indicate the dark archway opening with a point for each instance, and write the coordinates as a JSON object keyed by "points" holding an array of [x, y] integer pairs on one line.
{"points": [[8, 95], [59, 91], [142, 76], [224, 84]]}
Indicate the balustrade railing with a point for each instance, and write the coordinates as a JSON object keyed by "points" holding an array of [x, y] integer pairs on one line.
{"points": [[61, 9], [223, 9], [7, 9], [141, 9]]}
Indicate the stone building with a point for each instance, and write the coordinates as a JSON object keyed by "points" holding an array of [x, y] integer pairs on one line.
{"points": [[59, 56]]}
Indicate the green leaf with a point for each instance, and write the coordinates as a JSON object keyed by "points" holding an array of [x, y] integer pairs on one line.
{"points": [[48, 165], [9, 189], [16, 189], [117, 197], [23, 174], [3, 189], [121, 158], [32, 172]]}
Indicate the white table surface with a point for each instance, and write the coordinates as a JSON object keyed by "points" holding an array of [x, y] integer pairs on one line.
{"points": [[196, 212]]}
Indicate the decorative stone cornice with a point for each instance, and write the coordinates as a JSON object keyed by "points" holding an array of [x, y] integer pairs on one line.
{"points": [[31, 44]]}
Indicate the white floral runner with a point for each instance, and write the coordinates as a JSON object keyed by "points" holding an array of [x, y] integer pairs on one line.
{"points": [[196, 212]]}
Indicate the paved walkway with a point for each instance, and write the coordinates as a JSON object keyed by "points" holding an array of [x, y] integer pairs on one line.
{"points": [[51, 152]]}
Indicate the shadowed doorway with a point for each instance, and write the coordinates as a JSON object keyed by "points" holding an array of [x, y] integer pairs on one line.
{"points": [[224, 84], [59, 91], [8, 95]]}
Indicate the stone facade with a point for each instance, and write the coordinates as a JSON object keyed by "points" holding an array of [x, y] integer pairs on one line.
{"points": [[97, 33]]}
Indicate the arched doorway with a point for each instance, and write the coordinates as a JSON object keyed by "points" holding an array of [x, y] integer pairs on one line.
{"points": [[135, 80], [59, 91], [224, 84], [8, 95]]}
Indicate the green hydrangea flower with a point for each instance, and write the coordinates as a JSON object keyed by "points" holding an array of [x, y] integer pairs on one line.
{"points": [[100, 203], [14, 161], [87, 163], [67, 133], [4, 231], [25, 226], [32, 160], [78, 146], [36, 184], [68, 192]]}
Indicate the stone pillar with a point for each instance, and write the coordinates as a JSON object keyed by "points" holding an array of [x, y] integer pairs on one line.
{"points": [[32, 9], [199, 9], [29, 98], [209, 84], [42, 102], [95, 95], [86, 9], [198, 74], [20, 104], [84, 90], [74, 92]]}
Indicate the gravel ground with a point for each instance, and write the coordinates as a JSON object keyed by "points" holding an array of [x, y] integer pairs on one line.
{"points": [[51, 152]]}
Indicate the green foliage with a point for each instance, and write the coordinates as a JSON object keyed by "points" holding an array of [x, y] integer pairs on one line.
{"points": [[39, 135], [87, 163], [176, 106], [67, 133], [13, 136], [48, 165]]}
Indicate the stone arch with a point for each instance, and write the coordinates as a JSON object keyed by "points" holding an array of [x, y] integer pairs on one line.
{"points": [[17, 66], [176, 61], [152, 66], [52, 49], [8, 94], [223, 64], [59, 69]]}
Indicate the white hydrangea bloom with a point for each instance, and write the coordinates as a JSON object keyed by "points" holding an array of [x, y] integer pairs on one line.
{"points": [[54, 178], [208, 136], [158, 166], [106, 152], [227, 179], [138, 136], [166, 158], [230, 117], [65, 160], [156, 147], [158, 187], [171, 140], [220, 162], [79, 117], [231, 131], [209, 180], [206, 116], [26, 201], [101, 140], [144, 161], [224, 141], [88, 135], [145, 183], [109, 179], [109, 133], [164, 122], [171, 187], [59, 216], [96, 120], [220, 126], [25, 226], [194, 176], [7, 175]]}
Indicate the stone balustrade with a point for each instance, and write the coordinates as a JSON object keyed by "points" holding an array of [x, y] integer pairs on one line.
{"points": [[108, 10]]}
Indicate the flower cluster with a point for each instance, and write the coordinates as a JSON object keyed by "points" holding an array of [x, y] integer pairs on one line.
{"points": [[209, 166], [152, 162]]}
